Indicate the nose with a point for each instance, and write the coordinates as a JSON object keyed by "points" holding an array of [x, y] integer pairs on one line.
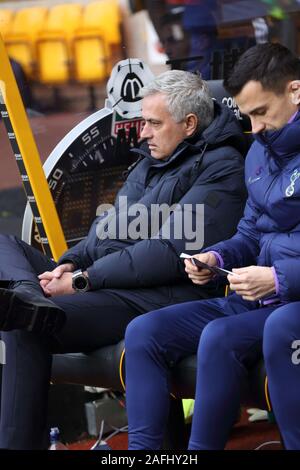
{"points": [[257, 126], [145, 132]]}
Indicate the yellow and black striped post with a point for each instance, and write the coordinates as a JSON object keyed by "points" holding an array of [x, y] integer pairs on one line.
{"points": [[28, 161]]}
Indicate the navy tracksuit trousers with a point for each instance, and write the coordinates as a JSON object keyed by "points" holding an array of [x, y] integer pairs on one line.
{"points": [[232, 333]]}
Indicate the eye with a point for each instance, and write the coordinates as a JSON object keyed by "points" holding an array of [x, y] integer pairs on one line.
{"points": [[260, 112]]}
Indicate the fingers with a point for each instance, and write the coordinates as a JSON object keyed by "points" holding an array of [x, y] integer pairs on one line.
{"points": [[44, 285], [245, 291], [208, 258], [251, 298], [201, 282], [238, 281], [47, 275], [241, 270], [55, 274], [201, 276], [48, 290], [239, 287], [48, 284], [197, 275], [190, 267]]}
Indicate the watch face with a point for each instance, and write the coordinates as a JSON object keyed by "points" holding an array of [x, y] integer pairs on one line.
{"points": [[80, 282]]}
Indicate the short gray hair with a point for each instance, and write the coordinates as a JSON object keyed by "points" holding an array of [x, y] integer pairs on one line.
{"points": [[186, 93]]}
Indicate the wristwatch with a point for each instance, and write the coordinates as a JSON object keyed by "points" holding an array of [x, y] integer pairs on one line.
{"points": [[80, 282]]}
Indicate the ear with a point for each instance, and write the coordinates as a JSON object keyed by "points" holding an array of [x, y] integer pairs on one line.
{"points": [[294, 91], [191, 124]]}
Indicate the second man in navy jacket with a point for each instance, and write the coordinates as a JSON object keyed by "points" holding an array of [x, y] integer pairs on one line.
{"points": [[261, 312]]}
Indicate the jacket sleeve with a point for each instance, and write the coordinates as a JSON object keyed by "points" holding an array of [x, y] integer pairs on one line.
{"points": [[288, 274], [77, 253], [243, 248], [74, 255], [155, 261]]}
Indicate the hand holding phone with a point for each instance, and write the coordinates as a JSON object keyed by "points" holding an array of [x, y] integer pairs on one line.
{"points": [[213, 269]]}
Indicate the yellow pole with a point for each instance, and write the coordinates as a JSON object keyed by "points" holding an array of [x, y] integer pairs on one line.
{"points": [[28, 160]]}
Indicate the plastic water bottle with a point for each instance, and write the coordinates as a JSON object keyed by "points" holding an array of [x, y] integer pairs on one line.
{"points": [[55, 443]]}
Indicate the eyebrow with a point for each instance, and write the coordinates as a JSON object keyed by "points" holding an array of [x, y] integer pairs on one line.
{"points": [[255, 110], [151, 120]]}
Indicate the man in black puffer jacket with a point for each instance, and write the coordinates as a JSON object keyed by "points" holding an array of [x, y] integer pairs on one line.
{"points": [[191, 171]]}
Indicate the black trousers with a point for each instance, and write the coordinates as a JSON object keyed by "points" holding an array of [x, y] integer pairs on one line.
{"points": [[94, 319]]}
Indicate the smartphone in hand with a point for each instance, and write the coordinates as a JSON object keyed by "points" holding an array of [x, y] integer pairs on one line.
{"points": [[214, 269]]}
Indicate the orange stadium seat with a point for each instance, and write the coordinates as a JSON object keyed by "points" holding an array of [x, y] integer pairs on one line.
{"points": [[107, 17], [93, 41], [6, 17], [110, 23], [90, 52], [54, 44], [20, 42]]}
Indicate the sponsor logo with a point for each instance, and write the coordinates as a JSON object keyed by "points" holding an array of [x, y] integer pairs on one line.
{"points": [[296, 354], [127, 124], [291, 188], [2, 353], [131, 88]]}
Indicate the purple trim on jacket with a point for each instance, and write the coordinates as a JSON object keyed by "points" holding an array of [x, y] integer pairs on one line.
{"points": [[275, 298], [276, 280], [219, 258], [293, 117]]}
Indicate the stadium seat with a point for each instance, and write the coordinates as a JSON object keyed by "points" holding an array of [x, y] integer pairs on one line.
{"points": [[90, 57], [110, 21], [91, 51], [6, 17], [54, 45], [21, 41], [95, 39]]}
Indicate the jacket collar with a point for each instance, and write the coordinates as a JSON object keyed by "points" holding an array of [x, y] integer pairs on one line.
{"points": [[283, 143], [224, 129], [186, 144]]}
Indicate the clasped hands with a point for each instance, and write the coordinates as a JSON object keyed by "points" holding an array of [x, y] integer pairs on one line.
{"points": [[252, 282], [58, 281]]}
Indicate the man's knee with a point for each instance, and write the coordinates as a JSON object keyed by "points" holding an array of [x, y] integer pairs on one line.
{"points": [[16, 339], [10, 244], [141, 332], [7, 239], [215, 341], [280, 330]]}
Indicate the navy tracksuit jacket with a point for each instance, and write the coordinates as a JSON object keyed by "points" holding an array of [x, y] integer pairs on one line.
{"points": [[233, 333]]}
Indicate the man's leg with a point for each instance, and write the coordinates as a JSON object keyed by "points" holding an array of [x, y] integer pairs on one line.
{"points": [[20, 290], [20, 261], [282, 358], [154, 342], [227, 348], [94, 319], [25, 384]]}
